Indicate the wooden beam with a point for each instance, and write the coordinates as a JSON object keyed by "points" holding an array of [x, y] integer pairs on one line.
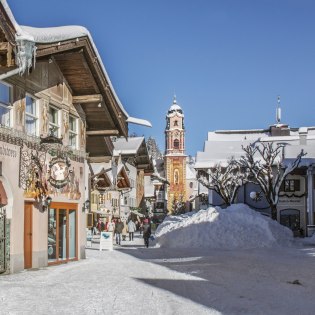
{"points": [[113, 132], [99, 159], [84, 99], [4, 46]]}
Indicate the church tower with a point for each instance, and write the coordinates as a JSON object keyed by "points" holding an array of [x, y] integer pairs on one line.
{"points": [[175, 158]]}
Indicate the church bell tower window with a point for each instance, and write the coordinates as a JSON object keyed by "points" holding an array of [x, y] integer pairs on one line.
{"points": [[176, 144]]}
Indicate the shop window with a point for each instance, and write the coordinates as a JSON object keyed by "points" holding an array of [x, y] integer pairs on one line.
{"points": [[73, 132], [62, 233], [31, 116], [54, 120], [290, 218], [5, 104]]}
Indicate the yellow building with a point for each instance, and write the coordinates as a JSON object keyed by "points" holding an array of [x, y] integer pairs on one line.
{"points": [[175, 157]]}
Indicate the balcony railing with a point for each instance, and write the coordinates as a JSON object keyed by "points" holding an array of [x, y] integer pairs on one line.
{"points": [[17, 137]]}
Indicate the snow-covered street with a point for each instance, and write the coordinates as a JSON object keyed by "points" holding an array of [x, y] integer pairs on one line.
{"points": [[135, 280]]}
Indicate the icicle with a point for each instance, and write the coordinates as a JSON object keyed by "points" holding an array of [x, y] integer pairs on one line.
{"points": [[26, 51]]}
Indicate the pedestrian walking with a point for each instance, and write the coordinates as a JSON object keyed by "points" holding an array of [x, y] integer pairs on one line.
{"points": [[111, 226], [119, 226], [140, 227], [124, 232], [131, 229], [146, 232]]}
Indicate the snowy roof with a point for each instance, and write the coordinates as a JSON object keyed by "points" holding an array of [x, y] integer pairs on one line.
{"points": [[148, 187], [48, 35], [175, 108], [56, 34], [127, 146], [223, 145], [190, 171]]}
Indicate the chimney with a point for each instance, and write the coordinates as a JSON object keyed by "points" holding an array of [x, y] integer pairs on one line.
{"points": [[279, 130], [303, 135]]}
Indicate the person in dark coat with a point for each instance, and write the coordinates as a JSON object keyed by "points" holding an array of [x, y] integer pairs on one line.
{"points": [[146, 232], [119, 226]]}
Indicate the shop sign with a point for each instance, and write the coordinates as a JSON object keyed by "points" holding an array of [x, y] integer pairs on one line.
{"points": [[291, 201], [59, 172], [8, 151], [89, 238], [106, 241]]}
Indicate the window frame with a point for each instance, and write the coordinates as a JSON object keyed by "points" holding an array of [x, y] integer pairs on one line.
{"points": [[73, 132], [177, 144], [291, 185], [8, 106], [36, 116], [52, 124]]}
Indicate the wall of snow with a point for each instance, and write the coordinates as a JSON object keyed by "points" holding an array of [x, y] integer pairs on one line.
{"points": [[237, 226]]}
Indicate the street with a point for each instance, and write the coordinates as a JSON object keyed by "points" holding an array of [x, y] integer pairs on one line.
{"points": [[132, 279]]}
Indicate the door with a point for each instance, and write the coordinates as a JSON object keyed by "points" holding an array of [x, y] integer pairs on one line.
{"points": [[62, 232], [28, 235]]}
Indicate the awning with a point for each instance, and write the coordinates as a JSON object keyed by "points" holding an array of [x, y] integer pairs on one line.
{"points": [[3, 196]]}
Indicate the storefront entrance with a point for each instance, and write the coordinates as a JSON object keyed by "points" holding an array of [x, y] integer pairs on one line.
{"points": [[290, 218], [62, 232]]}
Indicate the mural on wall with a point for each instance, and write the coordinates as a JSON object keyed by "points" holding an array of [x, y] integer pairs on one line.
{"points": [[66, 122], [21, 111], [42, 175], [44, 117], [83, 134]]}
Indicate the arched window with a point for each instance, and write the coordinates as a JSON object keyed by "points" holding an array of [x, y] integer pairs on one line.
{"points": [[176, 144], [176, 177], [175, 123]]}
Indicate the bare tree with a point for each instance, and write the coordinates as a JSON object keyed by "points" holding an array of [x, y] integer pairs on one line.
{"points": [[263, 162], [225, 181]]}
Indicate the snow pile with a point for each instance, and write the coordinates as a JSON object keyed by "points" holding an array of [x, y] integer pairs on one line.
{"points": [[309, 240], [237, 226]]}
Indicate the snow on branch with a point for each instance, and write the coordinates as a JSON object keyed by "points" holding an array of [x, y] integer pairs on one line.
{"points": [[225, 181], [263, 163]]}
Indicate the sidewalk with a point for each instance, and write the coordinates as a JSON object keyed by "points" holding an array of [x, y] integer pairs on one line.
{"points": [[136, 243]]}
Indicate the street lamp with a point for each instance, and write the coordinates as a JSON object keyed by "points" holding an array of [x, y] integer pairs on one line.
{"points": [[86, 205]]}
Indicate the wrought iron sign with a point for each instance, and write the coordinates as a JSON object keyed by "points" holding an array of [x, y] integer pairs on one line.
{"points": [[40, 178], [59, 172]]}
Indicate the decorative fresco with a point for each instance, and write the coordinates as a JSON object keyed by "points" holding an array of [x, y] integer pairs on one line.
{"points": [[42, 175]]}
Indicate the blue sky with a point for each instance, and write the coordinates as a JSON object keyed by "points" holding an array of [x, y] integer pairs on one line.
{"points": [[226, 60]]}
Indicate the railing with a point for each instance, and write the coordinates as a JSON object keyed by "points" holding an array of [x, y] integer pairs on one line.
{"points": [[17, 137], [3, 243]]}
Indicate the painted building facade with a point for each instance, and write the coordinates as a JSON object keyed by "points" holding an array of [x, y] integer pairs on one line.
{"points": [[51, 115]]}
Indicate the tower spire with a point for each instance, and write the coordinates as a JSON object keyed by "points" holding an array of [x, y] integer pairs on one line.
{"points": [[174, 98], [278, 111]]}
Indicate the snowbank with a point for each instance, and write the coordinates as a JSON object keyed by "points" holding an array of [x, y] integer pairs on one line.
{"points": [[237, 226]]}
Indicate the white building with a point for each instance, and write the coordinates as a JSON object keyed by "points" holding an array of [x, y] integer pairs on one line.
{"points": [[296, 202]]}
